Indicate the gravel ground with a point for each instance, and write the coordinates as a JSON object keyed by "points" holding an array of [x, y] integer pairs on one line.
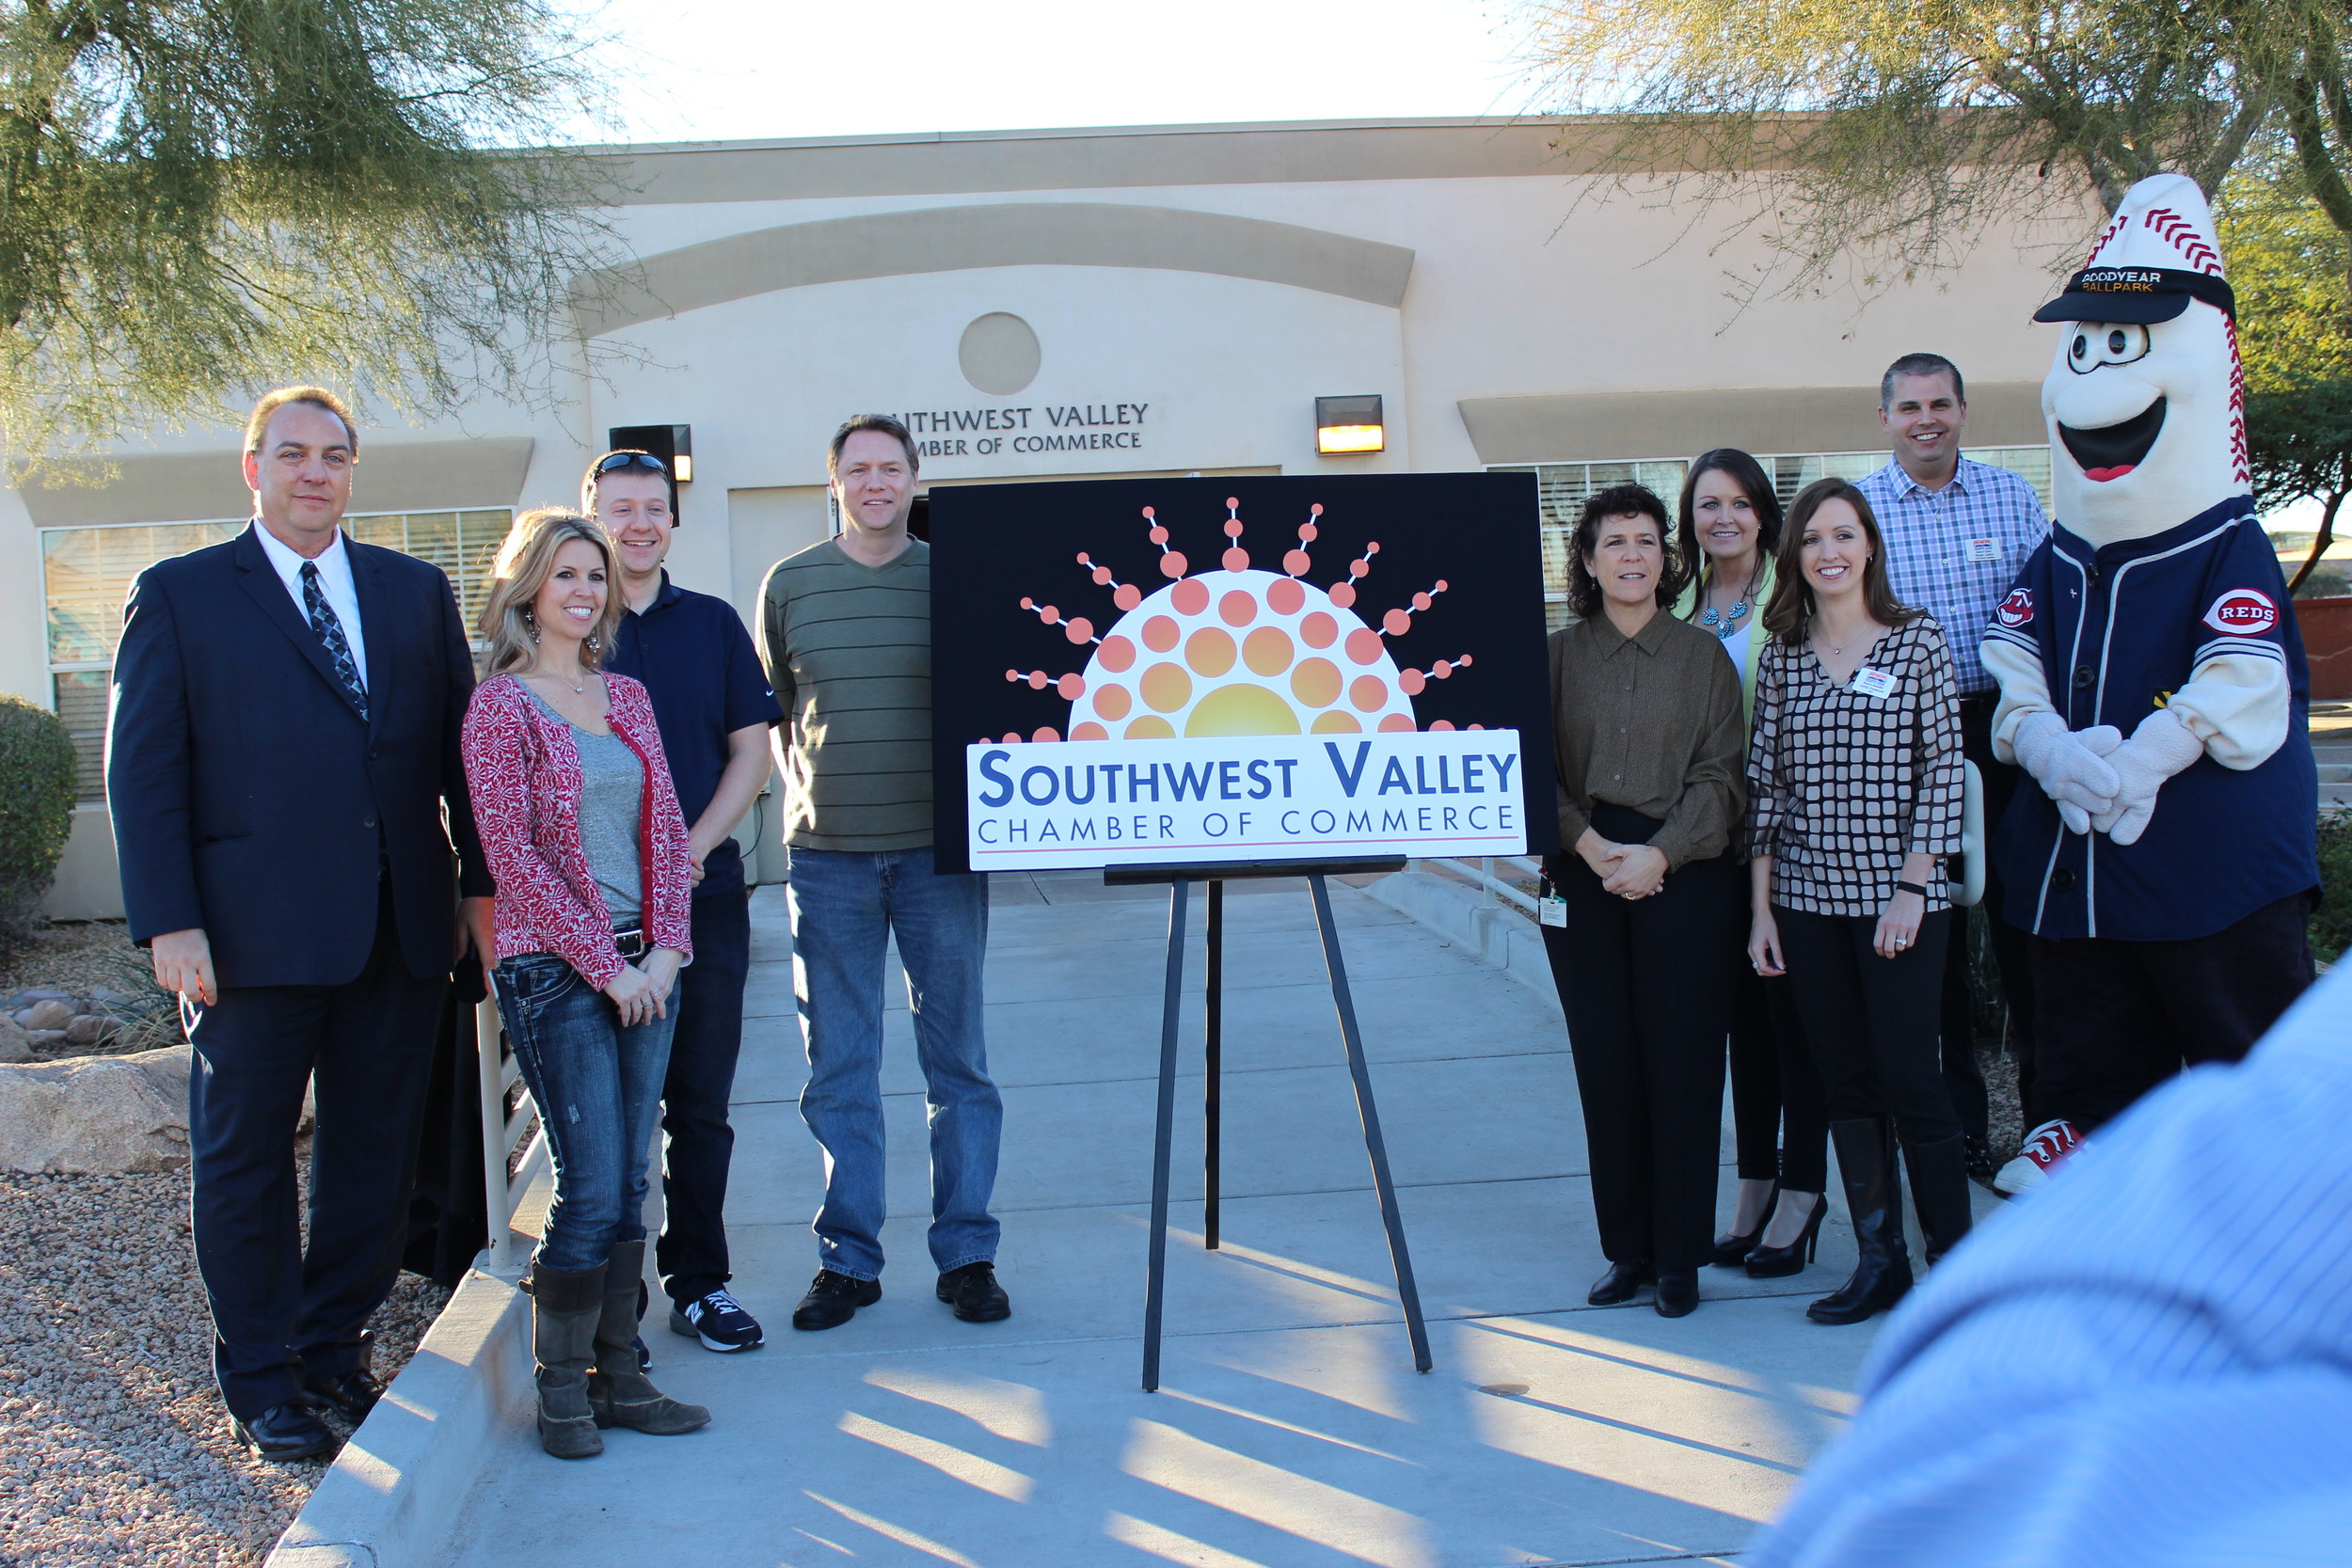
{"points": [[114, 1448], [81, 957]]}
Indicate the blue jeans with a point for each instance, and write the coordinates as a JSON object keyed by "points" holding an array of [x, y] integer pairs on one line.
{"points": [[599, 1090], [846, 904]]}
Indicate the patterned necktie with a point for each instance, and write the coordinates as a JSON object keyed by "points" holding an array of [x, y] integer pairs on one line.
{"points": [[330, 633]]}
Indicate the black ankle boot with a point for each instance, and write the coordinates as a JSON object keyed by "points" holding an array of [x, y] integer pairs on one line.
{"points": [[1866, 1168], [1939, 1191]]}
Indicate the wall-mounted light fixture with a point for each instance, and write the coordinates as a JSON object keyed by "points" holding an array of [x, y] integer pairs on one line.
{"points": [[1349, 424], [671, 443]]}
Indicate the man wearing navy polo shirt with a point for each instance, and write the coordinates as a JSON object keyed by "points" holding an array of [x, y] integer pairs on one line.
{"points": [[714, 705]]}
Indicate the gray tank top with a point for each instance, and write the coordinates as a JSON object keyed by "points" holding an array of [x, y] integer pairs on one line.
{"points": [[611, 801]]}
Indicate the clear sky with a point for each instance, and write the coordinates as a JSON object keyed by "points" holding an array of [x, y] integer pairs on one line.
{"points": [[727, 69]]}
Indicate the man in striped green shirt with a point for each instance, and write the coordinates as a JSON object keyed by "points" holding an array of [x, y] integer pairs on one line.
{"points": [[845, 632]]}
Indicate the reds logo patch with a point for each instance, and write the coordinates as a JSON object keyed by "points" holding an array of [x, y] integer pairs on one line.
{"points": [[2242, 612], [2017, 610]]}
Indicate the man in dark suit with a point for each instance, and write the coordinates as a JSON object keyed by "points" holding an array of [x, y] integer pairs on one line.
{"points": [[283, 742]]}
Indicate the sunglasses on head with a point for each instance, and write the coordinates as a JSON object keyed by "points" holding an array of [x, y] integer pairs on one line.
{"points": [[646, 460]]}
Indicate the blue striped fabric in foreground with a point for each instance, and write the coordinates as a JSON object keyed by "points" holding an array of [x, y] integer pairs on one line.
{"points": [[2147, 1362]]}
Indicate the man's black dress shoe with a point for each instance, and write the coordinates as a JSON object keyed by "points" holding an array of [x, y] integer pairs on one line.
{"points": [[834, 1299], [974, 1294], [284, 1433], [1677, 1292], [350, 1395], [1620, 1284]]}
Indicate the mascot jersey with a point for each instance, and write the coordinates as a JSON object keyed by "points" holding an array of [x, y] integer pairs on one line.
{"points": [[2154, 611]]}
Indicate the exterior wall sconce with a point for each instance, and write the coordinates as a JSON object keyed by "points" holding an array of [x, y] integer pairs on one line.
{"points": [[1349, 425]]}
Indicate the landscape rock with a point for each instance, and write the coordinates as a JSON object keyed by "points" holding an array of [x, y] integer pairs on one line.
{"points": [[47, 1013], [97, 1114], [14, 1047], [44, 1039], [92, 1029]]}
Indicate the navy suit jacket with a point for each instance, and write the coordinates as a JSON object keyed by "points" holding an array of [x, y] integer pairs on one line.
{"points": [[251, 799]]}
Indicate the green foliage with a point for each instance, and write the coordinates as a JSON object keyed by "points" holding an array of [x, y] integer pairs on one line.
{"points": [[2331, 923], [37, 790], [208, 196]]}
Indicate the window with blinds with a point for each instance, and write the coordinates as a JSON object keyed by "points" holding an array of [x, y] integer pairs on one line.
{"points": [[1561, 489], [87, 572]]}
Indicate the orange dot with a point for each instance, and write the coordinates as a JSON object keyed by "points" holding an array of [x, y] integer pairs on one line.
{"points": [[1296, 562], [1441, 724], [1209, 651], [1267, 650], [1337, 721], [1037, 680], [1343, 595], [1151, 727], [1112, 701], [1316, 682], [1127, 596], [1411, 682], [1364, 646], [1397, 622], [1072, 687], [1088, 731], [1190, 598], [1397, 723], [1117, 653], [1236, 560], [1046, 732], [1172, 562], [1166, 687], [1237, 608], [1319, 629], [1369, 693], [1159, 634], [1286, 596], [1080, 629]]}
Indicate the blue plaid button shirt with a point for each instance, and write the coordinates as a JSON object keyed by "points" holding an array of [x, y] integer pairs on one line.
{"points": [[1954, 552]]}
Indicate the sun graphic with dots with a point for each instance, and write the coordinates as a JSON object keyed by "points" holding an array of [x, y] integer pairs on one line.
{"points": [[1240, 651]]}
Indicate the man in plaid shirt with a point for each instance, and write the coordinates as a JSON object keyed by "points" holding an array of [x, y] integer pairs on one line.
{"points": [[1957, 532]]}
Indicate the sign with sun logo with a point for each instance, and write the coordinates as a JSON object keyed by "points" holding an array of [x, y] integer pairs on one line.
{"points": [[1180, 672]]}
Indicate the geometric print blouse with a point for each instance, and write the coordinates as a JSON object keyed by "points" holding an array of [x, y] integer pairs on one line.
{"points": [[1842, 785]]}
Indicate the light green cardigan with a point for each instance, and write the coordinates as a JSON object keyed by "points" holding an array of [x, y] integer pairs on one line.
{"points": [[1755, 634]]}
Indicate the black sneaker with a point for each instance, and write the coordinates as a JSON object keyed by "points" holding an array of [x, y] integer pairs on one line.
{"points": [[834, 1299], [644, 1354], [1981, 1167], [719, 1320], [974, 1294]]}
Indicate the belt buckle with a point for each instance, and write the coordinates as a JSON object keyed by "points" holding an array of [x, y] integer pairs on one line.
{"points": [[631, 943]]}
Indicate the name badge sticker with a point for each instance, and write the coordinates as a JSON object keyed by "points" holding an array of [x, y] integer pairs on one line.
{"points": [[1984, 550], [1873, 683]]}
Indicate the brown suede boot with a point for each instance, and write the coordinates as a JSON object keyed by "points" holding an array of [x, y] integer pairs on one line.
{"points": [[565, 1305], [619, 1393]]}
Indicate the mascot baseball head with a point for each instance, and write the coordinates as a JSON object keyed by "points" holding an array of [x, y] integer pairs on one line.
{"points": [[2145, 403]]}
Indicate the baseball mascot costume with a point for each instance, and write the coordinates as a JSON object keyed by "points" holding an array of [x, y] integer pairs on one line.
{"points": [[2153, 684]]}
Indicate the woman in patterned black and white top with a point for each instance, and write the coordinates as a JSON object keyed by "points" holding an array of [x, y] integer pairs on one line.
{"points": [[1854, 777]]}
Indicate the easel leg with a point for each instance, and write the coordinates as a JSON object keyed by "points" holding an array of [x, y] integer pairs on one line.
{"points": [[1155, 1282], [1375, 1146], [1211, 1110]]}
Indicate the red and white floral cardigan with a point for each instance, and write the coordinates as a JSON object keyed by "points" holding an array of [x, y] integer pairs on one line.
{"points": [[524, 772]]}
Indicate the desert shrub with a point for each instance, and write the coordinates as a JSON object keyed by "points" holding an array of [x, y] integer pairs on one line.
{"points": [[2331, 923], [37, 791]]}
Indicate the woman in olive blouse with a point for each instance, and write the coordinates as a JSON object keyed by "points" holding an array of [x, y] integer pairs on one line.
{"points": [[1647, 735]]}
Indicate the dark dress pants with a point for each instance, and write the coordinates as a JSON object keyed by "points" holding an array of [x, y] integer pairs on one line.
{"points": [[1963, 1078], [1872, 1021], [281, 1312], [1646, 987], [2120, 1017], [1779, 1123], [698, 1143]]}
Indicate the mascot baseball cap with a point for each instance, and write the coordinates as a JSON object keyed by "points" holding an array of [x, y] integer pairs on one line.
{"points": [[2135, 294]]}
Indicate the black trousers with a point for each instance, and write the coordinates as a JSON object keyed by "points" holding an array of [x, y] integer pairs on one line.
{"points": [[2118, 1018], [280, 1310], [1779, 1122], [1961, 1076], [698, 1144], [1646, 987], [1872, 1021]]}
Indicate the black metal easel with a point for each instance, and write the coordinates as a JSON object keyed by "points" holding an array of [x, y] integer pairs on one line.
{"points": [[1375, 1148]]}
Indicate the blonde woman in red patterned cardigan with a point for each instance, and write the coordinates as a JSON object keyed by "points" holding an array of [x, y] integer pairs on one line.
{"points": [[582, 831]]}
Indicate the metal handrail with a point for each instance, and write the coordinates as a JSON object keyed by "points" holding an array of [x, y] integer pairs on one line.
{"points": [[500, 1134]]}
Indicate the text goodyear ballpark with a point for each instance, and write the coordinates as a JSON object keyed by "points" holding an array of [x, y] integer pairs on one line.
{"points": [[1245, 798]]}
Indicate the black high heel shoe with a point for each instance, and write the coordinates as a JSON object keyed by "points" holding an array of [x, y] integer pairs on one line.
{"points": [[1731, 1250], [1776, 1262]]}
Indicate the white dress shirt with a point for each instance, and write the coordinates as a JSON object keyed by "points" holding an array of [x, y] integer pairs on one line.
{"points": [[342, 597]]}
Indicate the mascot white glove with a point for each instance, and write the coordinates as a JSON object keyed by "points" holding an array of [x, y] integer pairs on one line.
{"points": [[2070, 767], [2161, 747]]}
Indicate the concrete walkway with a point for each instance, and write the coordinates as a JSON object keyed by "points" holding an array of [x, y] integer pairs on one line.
{"points": [[1291, 1429]]}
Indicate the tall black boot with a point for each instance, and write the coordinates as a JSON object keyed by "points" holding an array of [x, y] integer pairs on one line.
{"points": [[1866, 1167], [1939, 1190]]}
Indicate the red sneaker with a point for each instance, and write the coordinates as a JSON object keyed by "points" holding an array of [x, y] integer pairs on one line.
{"points": [[2045, 1148]]}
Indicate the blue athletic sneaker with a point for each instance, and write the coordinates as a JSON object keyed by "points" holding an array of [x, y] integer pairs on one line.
{"points": [[719, 1320]]}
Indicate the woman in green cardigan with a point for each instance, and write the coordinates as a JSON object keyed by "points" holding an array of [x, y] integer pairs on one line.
{"points": [[1731, 521]]}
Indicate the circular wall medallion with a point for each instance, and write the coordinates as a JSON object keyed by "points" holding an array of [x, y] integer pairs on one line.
{"points": [[999, 354]]}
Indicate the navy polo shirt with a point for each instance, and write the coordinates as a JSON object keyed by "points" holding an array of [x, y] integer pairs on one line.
{"points": [[698, 664], [2117, 630]]}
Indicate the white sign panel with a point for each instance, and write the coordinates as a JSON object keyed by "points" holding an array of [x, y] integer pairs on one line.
{"points": [[1243, 798]]}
